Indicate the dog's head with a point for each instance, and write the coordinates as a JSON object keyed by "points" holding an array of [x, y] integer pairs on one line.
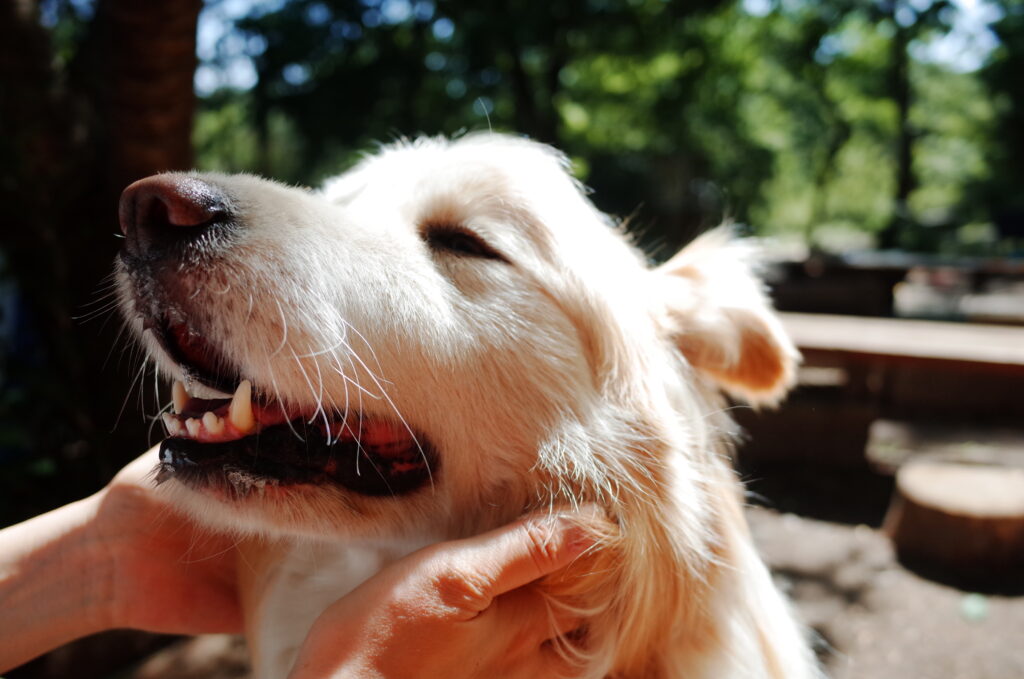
{"points": [[448, 332]]}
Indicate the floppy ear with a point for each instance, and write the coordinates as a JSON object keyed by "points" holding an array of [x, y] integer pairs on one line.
{"points": [[716, 312]]}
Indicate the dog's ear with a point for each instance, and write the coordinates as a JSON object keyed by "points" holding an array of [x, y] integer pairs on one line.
{"points": [[716, 312]]}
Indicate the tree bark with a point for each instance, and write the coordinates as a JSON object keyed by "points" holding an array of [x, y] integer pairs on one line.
{"points": [[902, 95], [148, 99], [74, 135]]}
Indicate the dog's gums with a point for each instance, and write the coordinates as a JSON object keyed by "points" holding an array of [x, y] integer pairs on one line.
{"points": [[199, 358], [243, 446]]}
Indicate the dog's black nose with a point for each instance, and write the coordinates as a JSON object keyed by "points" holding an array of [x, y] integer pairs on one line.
{"points": [[161, 211]]}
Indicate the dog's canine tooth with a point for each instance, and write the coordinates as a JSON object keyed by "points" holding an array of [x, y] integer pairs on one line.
{"points": [[179, 396], [240, 410], [212, 423], [193, 425]]}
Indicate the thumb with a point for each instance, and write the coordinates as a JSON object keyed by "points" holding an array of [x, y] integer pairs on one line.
{"points": [[507, 558]]}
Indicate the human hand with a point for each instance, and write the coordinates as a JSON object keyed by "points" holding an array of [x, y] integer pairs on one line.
{"points": [[126, 558], [461, 609], [120, 558], [169, 574]]}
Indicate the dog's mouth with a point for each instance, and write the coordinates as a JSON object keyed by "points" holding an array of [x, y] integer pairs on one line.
{"points": [[200, 360], [249, 443]]}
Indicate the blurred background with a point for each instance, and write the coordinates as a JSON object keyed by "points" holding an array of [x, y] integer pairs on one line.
{"points": [[876, 145]]}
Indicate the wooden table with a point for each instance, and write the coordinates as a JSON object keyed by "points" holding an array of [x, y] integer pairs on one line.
{"points": [[851, 340]]}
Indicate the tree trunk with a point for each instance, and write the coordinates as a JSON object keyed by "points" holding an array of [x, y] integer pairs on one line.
{"points": [[149, 100], [905, 179], [75, 135]]}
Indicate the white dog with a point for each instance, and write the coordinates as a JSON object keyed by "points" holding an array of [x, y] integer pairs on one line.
{"points": [[443, 338]]}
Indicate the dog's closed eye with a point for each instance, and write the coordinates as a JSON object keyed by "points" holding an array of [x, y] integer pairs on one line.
{"points": [[458, 240]]}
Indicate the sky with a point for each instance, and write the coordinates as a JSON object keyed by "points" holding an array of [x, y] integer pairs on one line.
{"points": [[964, 48]]}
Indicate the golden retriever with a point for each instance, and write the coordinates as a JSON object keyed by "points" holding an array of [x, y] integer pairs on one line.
{"points": [[444, 338]]}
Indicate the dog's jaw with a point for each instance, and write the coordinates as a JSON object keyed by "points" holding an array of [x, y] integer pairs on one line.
{"points": [[235, 447]]}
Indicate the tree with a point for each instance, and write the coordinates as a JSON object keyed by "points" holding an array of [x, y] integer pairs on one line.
{"points": [[1002, 195], [95, 97]]}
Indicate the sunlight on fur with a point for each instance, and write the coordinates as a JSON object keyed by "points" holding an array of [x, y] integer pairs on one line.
{"points": [[466, 296]]}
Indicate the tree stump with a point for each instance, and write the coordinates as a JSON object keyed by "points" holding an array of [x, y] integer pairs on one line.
{"points": [[965, 518]]}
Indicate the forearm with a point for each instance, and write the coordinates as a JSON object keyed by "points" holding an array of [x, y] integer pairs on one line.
{"points": [[55, 583]]}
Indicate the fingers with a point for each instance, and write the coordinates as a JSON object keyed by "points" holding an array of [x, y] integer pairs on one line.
{"points": [[530, 617], [547, 662], [502, 560], [470, 598], [526, 626], [140, 470]]}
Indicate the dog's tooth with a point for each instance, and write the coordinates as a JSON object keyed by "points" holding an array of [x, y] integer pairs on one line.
{"points": [[192, 424], [240, 410], [173, 424], [179, 396], [213, 424]]}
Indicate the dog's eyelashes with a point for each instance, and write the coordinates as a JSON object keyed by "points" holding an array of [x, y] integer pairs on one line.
{"points": [[460, 241]]}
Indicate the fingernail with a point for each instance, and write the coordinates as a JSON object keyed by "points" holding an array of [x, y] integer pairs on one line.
{"points": [[575, 535]]}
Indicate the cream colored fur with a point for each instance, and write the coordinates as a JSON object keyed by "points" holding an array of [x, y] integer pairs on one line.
{"points": [[570, 373]]}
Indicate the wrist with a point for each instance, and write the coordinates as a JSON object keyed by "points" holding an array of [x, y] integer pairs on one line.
{"points": [[56, 583]]}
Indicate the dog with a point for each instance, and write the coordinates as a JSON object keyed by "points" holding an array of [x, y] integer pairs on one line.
{"points": [[445, 337]]}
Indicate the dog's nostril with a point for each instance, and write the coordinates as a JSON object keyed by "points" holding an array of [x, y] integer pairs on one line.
{"points": [[159, 210]]}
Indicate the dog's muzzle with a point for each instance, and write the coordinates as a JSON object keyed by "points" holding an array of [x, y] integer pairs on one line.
{"points": [[177, 228]]}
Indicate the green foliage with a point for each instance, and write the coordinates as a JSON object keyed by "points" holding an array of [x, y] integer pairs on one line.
{"points": [[801, 118]]}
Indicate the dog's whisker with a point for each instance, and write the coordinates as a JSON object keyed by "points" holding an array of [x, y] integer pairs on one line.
{"points": [[117, 342], [284, 330], [322, 352], [140, 373], [354, 356], [92, 314], [337, 368], [281, 403], [366, 343], [348, 380], [317, 397]]}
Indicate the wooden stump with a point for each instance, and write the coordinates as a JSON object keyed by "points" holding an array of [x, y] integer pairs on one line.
{"points": [[962, 517]]}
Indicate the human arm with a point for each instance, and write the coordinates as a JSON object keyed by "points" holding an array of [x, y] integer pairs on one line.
{"points": [[119, 558]]}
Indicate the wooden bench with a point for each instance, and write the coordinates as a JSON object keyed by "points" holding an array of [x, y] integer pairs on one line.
{"points": [[885, 341], [919, 369], [958, 503]]}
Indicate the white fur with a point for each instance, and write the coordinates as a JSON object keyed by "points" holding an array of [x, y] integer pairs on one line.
{"points": [[572, 373]]}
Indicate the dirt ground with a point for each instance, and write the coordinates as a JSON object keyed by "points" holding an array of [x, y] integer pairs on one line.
{"points": [[876, 618]]}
